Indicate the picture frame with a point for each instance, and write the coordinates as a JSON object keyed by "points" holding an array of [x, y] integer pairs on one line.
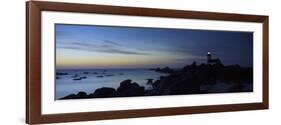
{"points": [[34, 47]]}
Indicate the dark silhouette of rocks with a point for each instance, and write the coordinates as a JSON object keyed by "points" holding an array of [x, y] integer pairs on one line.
{"points": [[191, 79], [104, 92], [187, 80], [79, 95], [100, 76], [127, 89], [71, 96]]}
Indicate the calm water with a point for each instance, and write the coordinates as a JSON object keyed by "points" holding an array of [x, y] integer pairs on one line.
{"points": [[97, 78]]}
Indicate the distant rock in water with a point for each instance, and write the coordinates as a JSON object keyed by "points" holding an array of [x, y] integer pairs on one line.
{"points": [[76, 75], [80, 78], [109, 75], [61, 73], [163, 70], [100, 76], [84, 77], [77, 78]]}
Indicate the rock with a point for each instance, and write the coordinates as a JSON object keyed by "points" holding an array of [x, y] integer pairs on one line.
{"points": [[104, 92], [71, 96], [163, 70], [76, 75], [84, 77], [61, 73], [127, 89], [188, 80], [80, 78], [125, 83], [77, 78], [149, 81], [109, 75], [79, 95]]}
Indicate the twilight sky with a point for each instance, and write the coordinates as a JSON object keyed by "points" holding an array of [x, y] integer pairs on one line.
{"points": [[89, 46]]}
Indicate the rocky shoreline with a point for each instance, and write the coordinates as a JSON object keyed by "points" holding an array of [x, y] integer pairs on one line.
{"points": [[191, 79]]}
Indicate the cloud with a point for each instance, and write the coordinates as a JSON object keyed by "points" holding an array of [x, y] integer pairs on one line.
{"points": [[102, 47], [174, 50], [112, 43]]}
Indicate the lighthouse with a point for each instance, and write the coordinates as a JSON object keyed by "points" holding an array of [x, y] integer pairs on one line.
{"points": [[213, 61], [209, 57]]}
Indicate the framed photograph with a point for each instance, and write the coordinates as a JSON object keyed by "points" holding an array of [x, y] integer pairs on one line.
{"points": [[94, 62]]}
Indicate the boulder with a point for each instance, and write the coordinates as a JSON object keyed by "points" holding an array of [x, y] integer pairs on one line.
{"points": [[104, 92], [127, 89], [149, 81]]}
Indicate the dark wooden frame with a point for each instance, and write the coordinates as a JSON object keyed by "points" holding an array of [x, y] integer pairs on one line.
{"points": [[33, 61]]}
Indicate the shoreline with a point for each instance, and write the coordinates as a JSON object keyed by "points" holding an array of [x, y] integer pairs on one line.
{"points": [[188, 80]]}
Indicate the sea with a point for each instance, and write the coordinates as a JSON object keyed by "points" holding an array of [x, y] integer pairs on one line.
{"points": [[72, 81]]}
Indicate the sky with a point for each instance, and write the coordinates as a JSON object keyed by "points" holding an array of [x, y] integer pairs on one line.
{"points": [[91, 46]]}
